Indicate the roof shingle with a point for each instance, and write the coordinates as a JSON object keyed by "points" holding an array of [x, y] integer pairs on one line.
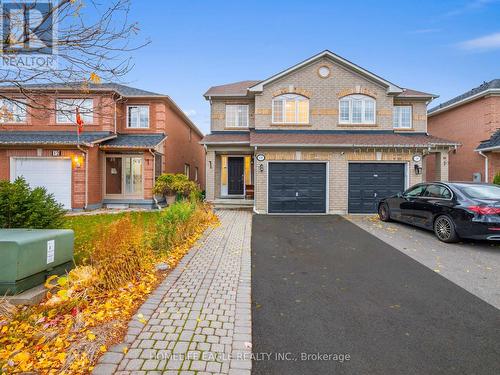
{"points": [[340, 138], [345, 139], [123, 90], [493, 142], [231, 89], [50, 138], [135, 141], [485, 86]]}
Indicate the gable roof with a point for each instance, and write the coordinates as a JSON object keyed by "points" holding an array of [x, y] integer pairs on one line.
{"points": [[243, 88], [391, 87], [231, 89], [485, 88], [491, 144]]}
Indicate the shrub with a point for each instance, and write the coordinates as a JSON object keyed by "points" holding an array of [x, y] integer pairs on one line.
{"points": [[171, 218], [174, 184], [496, 179], [120, 253], [23, 207]]}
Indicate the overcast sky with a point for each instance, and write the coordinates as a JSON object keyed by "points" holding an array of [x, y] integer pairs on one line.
{"points": [[442, 47]]}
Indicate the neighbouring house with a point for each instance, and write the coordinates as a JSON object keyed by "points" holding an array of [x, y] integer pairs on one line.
{"points": [[473, 120], [130, 136], [323, 136]]}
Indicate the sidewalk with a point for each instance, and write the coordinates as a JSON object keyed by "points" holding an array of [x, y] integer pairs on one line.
{"points": [[199, 318]]}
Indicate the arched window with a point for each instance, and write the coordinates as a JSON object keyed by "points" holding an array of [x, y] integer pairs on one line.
{"points": [[357, 109], [290, 109]]}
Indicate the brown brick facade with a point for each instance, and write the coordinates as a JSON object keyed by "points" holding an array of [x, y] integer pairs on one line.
{"points": [[181, 146], [468, 124]]}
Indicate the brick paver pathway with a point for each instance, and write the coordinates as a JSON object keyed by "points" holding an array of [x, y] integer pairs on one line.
{"points": [[199, 318]]}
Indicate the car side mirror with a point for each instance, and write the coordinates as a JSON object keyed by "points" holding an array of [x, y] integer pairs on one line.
{"points": [[400, 195]]}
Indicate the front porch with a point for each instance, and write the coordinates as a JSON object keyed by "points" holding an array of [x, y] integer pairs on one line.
{"points": [[230, 177]]}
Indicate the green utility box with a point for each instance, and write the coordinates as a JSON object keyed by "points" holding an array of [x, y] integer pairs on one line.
{"points": [[29, 256]]}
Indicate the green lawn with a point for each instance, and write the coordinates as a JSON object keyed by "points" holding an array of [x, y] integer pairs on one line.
{"points": [[86, 227]]}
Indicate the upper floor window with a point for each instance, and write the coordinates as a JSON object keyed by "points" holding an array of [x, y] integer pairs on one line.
{"points": [[290, 109], [12, 111], [236, 116], [401, 117], [66, 110], [138, 116], [357, 109], [187, 170]]}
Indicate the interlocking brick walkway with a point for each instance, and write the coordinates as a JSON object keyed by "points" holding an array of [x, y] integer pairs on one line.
{"points": [[199, 318]]}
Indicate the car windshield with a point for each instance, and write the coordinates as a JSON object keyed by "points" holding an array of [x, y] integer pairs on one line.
{"points": [[481, 191]]}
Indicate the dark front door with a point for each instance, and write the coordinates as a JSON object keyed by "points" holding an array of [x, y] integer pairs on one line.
{"points": [[297, 187], [370, 182], [235, 176]]}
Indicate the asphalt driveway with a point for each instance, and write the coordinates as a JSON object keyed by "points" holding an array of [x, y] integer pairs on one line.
{"points": [[473, 265], [322, 285]]}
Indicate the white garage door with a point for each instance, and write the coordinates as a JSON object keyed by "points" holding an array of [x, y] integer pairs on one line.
{"points": [[52, 174]]}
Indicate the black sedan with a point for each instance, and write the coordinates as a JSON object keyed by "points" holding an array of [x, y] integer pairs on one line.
{"points": [[453, 210]]}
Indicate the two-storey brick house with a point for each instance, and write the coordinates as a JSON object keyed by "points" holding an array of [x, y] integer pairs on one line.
{"points": [[473, 120], [129, 137], [324, 136]]}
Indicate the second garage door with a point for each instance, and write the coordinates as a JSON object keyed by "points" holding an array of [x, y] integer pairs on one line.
{"points": [[297, 188], [369, 182]]}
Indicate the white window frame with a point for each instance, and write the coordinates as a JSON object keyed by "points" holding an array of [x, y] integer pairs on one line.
{"points": [[139, 124], [237, 119], [399, 123], [364, 99], [283, 98], [75, 102], [17, 104], [187, 170]]}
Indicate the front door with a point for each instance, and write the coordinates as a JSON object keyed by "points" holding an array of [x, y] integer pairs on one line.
{"points": [[124, 176], [235, 176]]}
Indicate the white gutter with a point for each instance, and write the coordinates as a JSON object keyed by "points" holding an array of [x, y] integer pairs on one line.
{"points": [[154, 167], [485, 165], [463, 101]]}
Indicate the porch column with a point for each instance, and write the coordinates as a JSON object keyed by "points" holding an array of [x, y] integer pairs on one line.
{"points": [[210, 177], [441, 166]]}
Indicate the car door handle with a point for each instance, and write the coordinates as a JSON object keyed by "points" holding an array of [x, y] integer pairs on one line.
{"points": [[296, 193]]}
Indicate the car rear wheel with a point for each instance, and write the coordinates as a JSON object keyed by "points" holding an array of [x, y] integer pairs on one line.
{"points": [[383, 212], [444, 229]]}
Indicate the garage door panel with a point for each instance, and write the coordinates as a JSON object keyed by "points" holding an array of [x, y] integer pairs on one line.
{"points": [[303, 189], [369, 182], [52, 174]]}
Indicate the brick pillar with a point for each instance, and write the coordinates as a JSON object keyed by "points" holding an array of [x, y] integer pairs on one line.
{"points": [[210, 175], [441, 168]]}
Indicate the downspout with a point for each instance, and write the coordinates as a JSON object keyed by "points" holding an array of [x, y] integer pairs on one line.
{"points": [[255, 208], [485, 166], [86, 153], [154, 167]]}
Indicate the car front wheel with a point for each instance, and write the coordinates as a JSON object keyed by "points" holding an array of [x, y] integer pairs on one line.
{"points": [[383, 212], [444, 228]]}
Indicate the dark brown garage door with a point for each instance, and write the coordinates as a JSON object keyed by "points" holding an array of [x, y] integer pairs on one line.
{"points": [[297, 187], [369, 182]]}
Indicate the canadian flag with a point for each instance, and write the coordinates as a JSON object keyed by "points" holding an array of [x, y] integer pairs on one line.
{"points": [[79, 121]]}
